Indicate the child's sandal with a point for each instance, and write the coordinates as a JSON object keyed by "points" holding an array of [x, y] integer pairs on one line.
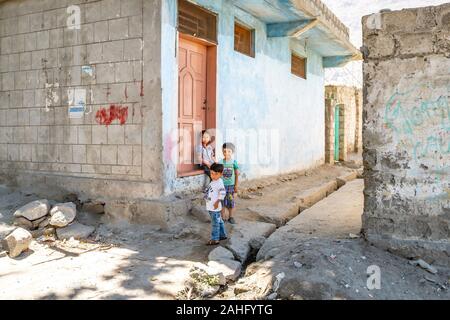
{"points": [[213, 243]]}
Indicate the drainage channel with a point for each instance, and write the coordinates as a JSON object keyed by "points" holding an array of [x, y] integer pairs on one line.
{"points": [[228, 289]]}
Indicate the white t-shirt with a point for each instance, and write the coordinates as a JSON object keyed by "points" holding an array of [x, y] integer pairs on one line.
{"points": [[215, 191], [207, 153]]}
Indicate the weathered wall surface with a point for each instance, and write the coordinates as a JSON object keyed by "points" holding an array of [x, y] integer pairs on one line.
{"points": [[350, 103], [255, 95], [113, 61], [406, 131]]}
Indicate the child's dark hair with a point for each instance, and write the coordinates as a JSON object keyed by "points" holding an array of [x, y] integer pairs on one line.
{"points": [[228, 145], [217, 167]]}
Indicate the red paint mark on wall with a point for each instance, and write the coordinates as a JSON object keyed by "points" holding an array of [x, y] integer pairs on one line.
{"points": [[106, 116], [142, 88]]}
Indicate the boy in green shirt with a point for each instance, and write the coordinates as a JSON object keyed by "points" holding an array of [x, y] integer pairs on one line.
{"points": [[230, 180]]}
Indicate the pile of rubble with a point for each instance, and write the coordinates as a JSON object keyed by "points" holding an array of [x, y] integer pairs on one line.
{"points": [[206, 280], [39, 219]]}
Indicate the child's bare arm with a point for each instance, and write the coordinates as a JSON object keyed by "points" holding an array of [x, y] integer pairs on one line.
{"points": [[236, 173]]}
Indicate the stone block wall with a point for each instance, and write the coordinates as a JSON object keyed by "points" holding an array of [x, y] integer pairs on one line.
{"points": [[406, 131], [50, 61]]}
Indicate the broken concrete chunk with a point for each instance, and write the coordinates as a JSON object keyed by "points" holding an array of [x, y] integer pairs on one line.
{"points": [[220, 253], [6, 229], [17, 242], [421, 263], [62, 214], [231, 269], [23, 223], [75, 230], [33, 210]]}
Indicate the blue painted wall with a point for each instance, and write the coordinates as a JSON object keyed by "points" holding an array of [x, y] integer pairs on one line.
{"points": [[253, 94]]}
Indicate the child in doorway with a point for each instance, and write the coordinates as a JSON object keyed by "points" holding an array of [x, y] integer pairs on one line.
{"points": [[230, 180], [214, 195], [205, 153]]}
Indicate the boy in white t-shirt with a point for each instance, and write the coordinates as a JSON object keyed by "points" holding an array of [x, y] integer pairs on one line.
{"points": [[214, 195]]}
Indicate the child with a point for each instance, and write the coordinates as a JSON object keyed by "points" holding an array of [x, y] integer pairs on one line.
{"points": [[214, 195], [230, 180], [205, 153]]}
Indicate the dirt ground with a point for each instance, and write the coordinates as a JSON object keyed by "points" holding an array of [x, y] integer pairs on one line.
{"points": [[142, 262], [127, 261]]}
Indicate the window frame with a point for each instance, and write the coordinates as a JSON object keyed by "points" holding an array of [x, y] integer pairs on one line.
{"points": [[305, 64], [252, 32]]}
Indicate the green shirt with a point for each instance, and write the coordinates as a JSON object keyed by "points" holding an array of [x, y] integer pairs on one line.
{"points": [[229, 176]]}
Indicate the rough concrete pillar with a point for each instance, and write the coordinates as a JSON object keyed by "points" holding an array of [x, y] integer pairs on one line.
{"points": [[329, 131], [406, 131], [343, 145]]}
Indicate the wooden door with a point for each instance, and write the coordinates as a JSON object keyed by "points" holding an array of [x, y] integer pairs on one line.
{"points": [[191, 100]]}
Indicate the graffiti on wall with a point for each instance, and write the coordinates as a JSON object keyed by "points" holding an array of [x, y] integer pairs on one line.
{"points": [[419, 119], [106, 116]]}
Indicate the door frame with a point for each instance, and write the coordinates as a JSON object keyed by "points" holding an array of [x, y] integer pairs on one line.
{"points": [[211, 89]]}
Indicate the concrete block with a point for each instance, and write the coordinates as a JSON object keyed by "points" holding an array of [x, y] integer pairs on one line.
{"points": [[18, 43], [42, 40], [25, 152], [105, 73], [14, 62], [8, 81], [20, 80], [38, 59], [56, 38], [65, 153], [79, 153], [133, 49], [125, 155], [23, 117], [380, 47], [25, 61], [93, 154], [70, 134], [101, 31], [133, 134], [94, 53], [5, 45], [116, 134], [124, 72], [36, 22], [135, 26], [13, 152], [118, 29], [416, 43], [19, 135], [99, 134], [16, 99], [86, 34], [30, 41], [113, 51], [110, 9], [85, 134], [109, 154], [137, 155], [131, 7]]}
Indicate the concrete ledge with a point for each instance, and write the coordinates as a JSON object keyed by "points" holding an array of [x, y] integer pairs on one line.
{"points": [[94, 188], [434, 252], [169, 214], [342, 180]]}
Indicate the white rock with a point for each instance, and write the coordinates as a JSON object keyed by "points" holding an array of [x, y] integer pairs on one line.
{"points": [[75, 230], [231, 269], [33, 210], [421, 263], [17, 242], [220, 253], [62, 214]]}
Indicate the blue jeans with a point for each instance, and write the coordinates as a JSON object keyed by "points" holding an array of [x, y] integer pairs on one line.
{"points": [[217, 226]]}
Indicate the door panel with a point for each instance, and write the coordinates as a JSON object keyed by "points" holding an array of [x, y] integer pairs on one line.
{"points": [[191, 100]]}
